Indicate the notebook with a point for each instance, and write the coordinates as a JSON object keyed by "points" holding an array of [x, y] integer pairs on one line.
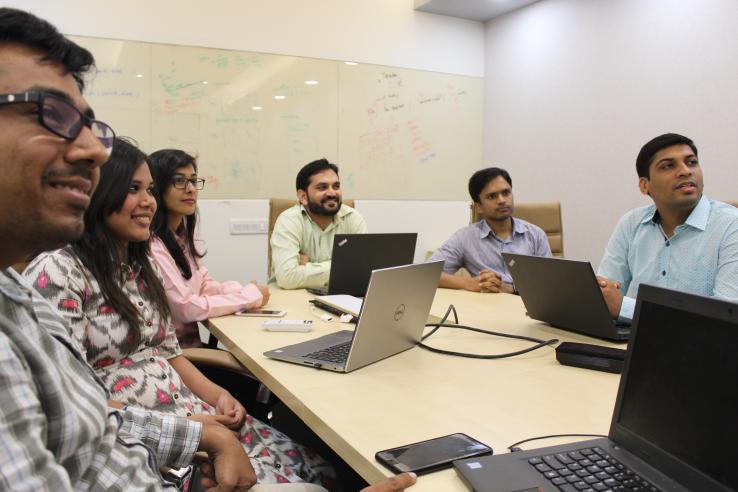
{"points": [[564, 294], [391, 320], [339, 304], [673, 426], [354, 257]]}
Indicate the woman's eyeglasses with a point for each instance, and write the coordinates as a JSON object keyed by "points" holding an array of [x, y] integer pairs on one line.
{"points": [[61, 118], [180, 182]]}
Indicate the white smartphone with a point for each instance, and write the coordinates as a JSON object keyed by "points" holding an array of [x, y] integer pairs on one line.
{"points": [[267, 313]]}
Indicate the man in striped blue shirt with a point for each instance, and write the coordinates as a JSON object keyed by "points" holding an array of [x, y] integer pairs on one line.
{"points": [[683, 241], [56, 430]]}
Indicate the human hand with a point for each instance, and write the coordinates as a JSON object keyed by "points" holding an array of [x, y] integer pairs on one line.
{"points": [[507, 288], [304, 259], [227, 468], [393, 484], [613, 297], [489, 281], [116, 404], [265, 294], [230, 408], [479, 283], [206, 418]]}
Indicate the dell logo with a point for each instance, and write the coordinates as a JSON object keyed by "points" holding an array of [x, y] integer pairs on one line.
{"points": [[399, 312]]}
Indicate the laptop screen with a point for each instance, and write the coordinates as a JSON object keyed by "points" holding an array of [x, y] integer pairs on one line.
{"points": [[681, 394]]}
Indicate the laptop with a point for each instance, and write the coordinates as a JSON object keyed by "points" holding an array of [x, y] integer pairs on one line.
{"points": [[354, 257], [391, 320], [564, 294], [673, 426]]}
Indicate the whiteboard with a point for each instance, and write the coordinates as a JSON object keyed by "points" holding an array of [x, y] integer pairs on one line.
{"points": [[253, 121]]}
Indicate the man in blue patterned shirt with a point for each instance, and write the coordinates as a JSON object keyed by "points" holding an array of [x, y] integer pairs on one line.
{"points": [[684, 241], [478, 247]]}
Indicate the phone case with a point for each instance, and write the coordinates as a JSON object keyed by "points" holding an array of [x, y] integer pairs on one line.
{"points": [[434, 466]]}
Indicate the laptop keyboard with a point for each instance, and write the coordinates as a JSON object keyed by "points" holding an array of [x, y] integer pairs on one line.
{"points": [[336, 354], [589, 470]]}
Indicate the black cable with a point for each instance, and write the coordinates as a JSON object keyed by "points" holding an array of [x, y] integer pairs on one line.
{"points": [[515, 445], [451, 309]]}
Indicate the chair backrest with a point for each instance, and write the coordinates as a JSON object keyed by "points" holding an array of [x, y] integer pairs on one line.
{"points": [[547, 216], [276, 207], [19, 267]]}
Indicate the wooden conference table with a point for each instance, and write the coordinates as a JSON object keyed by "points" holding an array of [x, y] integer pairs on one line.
{"points": [[418, 395]]}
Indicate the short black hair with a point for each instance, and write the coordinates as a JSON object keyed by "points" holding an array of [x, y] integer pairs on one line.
{"points": [[480, 179], [643, 161], [19, 27], [303, 177]]}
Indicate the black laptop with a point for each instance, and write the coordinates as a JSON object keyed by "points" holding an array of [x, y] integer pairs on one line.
{"points": [[354, 257], [674, 424], [564, 294]]}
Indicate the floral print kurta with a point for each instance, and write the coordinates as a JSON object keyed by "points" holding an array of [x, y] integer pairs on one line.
{"points": [[136, 370]]}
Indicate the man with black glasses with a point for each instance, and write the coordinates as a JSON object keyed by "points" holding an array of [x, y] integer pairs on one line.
{"points": [[55, 427]]}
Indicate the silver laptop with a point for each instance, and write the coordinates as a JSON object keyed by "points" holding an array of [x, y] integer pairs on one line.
{"points": [[391, 320], [564, 294], [673, 427]]}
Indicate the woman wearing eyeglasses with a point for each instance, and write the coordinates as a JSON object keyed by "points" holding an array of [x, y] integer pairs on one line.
{"points": [[193, 295]]}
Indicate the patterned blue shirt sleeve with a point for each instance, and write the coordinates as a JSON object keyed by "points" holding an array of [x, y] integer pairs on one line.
{"points": [[542, 248], [726, 279], [614, 264], [451, 252]]}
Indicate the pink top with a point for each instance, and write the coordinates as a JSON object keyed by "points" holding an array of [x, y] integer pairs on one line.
{"points": [[199, 298]]}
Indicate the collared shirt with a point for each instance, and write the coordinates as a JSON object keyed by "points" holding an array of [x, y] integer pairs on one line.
{"points": [[56, 431], [701, 257], [296, 233], [476, 247], [200, 297]]}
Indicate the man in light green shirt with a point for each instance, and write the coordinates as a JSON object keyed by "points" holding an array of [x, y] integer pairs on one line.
{"points": [[302, 240]]}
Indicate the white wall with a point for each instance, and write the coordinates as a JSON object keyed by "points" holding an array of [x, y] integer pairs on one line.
{"points": [[386, 32], [575, 88]]}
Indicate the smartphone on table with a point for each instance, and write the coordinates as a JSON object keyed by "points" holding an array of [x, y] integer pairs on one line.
{"points": [[267, 313], [431, 455]]}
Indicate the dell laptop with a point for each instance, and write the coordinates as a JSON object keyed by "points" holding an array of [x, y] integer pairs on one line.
{"points": [[564, 294], [673, 426], [392, 319], [355, 256]]}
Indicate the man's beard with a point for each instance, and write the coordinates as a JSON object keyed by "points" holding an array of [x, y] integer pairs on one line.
{"points": [[318, 209]]}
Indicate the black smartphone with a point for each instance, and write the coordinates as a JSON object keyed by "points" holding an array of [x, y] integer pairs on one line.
{"points": [[431, 455]]}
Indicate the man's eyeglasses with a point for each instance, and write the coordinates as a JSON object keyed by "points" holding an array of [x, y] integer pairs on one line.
{"points": [[60, 117], [180, 182]]}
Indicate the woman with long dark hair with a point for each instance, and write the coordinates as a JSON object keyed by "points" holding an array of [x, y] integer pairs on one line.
{"points": [[193, 295], [113, 299]]}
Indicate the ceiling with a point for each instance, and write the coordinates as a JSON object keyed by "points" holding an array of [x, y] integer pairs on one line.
{"points": [[477, 10]]}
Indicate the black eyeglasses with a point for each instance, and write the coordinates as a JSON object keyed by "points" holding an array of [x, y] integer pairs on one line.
{"points": [[180, 182], [60, 117]]}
